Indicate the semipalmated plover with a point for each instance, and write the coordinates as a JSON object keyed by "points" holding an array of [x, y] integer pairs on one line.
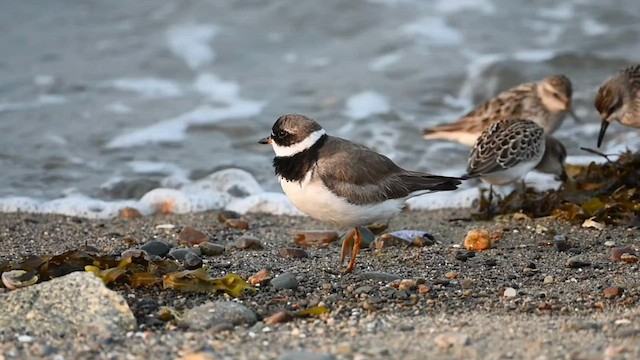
{"points": [[546, 102], [506, 151], [618, 99], [342, 183]]}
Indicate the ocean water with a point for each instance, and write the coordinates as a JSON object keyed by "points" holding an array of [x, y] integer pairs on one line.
{"points": [[132, 103]]}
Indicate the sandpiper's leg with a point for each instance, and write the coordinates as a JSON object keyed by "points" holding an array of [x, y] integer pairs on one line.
{"points": [[356, 249], [347, 243], [490, 200]]}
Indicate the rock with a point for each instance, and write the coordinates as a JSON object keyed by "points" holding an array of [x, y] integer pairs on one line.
{"points": [[261, 277], [612, 292], [247, 242], [181, 253], [451, 339], [417, 238], [212, 313], [225, 215], [129, 213], [314, 238], [560, 242], [609, 243], [200, 355], [134, 253], [192, 261], [191, 236], [239, 224], [477, 240], [279, 317], [510, 292], [407, 284], [464, 255], [576, 262], [385, 241], [292, 253], [305, 355], [217, 328], [68, 306], [285, 281], [157, 248], [548, 279], [378, 276], [617, 252], [211, 249], [451, 275], [628, 258], [362, 290], [423, 289]]}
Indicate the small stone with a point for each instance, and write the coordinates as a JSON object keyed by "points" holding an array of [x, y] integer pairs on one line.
{"points": [[279, 317], [218, 328], [628, 258], [560, 242], [223, 216], [191, 236], [133, 253], [362, 290], [201, 355], [211, 313], [157, 248], [609, 243], [129, 213], [464, 255], [407, 284], [211, 249], [180, 253], [239, 224], [247, 242], [292, 253], [327, 286], [261, 277], [314, 238], [385, 241], [344, 348], [285, 281], [305, 355], [576, 262], [612, 292], [423, 288], [491, 262], [548, 279], [510, 292], [451, 275], [378, 276], [192, 261], [617, 252], [451, 339], [477, 240]]}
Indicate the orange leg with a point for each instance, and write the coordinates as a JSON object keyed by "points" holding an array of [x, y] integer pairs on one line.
{"points": [[347, 243], [356, 249]]}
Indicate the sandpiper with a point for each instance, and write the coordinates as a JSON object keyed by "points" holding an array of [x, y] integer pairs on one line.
{"points": [[618, 99]]}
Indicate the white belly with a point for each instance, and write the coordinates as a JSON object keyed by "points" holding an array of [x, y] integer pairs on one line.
{"points": [[317, 201], [510, 175]]}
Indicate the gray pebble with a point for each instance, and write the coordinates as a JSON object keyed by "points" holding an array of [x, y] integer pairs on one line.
{"points": [[305, 355], [181, 253], [575, 262], [560, 241], [378, 276], [285, 281], [192, 261], [157, 248], [212, 314], [363, 290], [211, 249]]}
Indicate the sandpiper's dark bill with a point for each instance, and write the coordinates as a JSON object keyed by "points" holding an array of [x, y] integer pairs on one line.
{"points": [[342, 183]]}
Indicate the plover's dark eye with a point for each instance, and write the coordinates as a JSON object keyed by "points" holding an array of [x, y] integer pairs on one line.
{"points": [[281, 134]]}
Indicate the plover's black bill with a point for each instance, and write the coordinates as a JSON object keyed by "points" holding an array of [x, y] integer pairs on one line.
{"points": [[266, 140], [603, 130]]}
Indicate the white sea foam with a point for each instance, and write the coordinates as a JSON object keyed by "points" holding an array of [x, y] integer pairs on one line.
{"points": [[449, 7], [235, 182], [43, 80], [558, 11], [268, 202], [190, 42], [593, 27], [148, 87], [382, 62], [217, 89], [180, 202], [41, 101], [462, 198], [118, 108], [435, 30], [365, 104], [174, 130]]}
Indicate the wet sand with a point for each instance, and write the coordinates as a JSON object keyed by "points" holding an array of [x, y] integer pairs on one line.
{"points": [[556, 312]]}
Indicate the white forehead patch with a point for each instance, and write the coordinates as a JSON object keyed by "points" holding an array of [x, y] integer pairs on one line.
{"points": [[285, 151]]}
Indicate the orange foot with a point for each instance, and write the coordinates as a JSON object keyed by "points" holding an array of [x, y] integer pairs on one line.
{"points": [[356, 248], [347, 243]]}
